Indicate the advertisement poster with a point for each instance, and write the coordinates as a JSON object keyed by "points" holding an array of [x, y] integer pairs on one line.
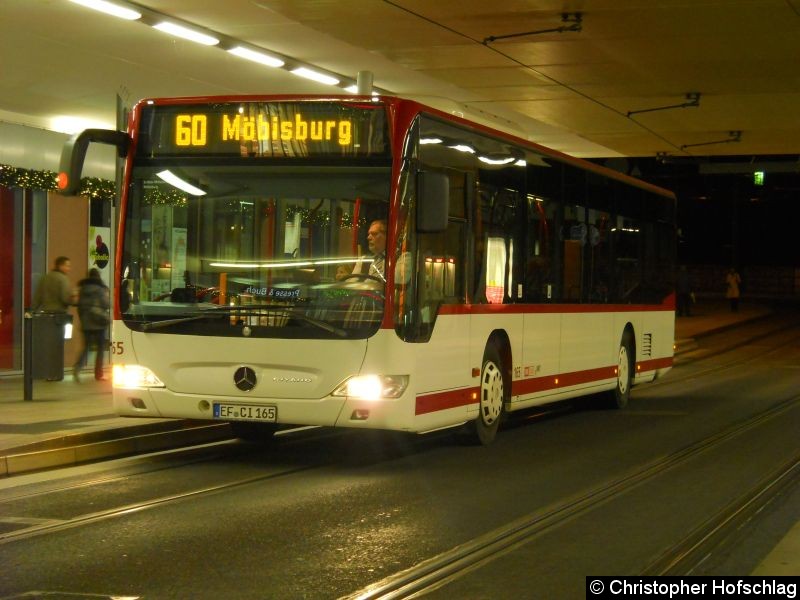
{"points": [[99, 252]]}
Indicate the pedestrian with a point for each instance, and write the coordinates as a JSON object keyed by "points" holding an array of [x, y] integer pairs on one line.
{"points": [[54, 293], [93, 310], [733, 281], [684, 293]]}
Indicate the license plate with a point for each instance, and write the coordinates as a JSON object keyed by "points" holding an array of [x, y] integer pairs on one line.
{"points": [[246, 412]]}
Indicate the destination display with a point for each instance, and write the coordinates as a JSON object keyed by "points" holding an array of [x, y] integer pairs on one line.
{"points": [[263, 129]]}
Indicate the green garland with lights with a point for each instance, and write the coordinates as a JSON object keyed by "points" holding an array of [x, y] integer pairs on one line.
{"points": [[157, 197], [93, 187], [310, 217]]}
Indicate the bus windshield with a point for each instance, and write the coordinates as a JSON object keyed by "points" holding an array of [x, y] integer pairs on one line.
{"points": [[261, 248]]}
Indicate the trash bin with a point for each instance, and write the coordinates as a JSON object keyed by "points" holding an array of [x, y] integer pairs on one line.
{"points": [[47, 345]]}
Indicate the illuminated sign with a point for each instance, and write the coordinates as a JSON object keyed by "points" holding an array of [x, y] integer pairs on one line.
{"points": [[192, 130], [266, 129]]}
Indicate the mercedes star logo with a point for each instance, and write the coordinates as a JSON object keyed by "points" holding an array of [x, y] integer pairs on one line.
{"points": [[245, 378]]}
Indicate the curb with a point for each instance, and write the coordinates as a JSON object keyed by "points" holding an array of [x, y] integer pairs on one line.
{"points": [[79, 449]]}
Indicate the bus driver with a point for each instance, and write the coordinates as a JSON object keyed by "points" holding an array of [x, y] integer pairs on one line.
{"points": [[376, 241]]}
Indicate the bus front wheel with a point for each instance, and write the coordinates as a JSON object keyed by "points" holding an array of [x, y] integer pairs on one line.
{"points": [[493, 395]]}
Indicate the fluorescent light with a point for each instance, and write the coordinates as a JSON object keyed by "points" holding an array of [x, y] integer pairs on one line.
{"points": [[179, 183], [72, 125], [186, 33], [463, 148], [424, 141], [110, 9], [315, 76], [258, 57], [496, 161]]}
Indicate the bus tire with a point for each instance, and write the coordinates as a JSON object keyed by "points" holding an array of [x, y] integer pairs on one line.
{"points": [[619, 396], [494, 392], [253, 432]]}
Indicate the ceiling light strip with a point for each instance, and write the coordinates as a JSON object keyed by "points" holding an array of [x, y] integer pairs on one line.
{"points": [[258, 57], [109, 8], [315, 76], [209, 37], [186, 33]]}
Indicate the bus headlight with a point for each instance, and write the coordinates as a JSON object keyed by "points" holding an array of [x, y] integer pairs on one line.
{"points": [[134, 377], [373, 387]]}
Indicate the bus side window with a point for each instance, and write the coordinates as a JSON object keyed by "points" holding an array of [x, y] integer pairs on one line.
{"points": [[495, 229], [538, 275]]}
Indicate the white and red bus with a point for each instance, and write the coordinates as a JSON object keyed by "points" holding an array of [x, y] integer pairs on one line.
{"points": [[513, 275]]}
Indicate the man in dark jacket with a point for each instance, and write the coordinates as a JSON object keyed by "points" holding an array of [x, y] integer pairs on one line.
{"points": [[93, 311]]}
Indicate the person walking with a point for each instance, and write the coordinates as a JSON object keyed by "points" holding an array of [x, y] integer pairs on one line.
{"points": [[93, 311], [733, 281]]}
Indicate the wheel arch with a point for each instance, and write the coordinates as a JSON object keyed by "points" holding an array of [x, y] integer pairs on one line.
{"points": [[502, 343], [629, 329]]}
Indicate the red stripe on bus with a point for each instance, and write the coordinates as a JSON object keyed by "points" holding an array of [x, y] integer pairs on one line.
{"points": [[444, 400], [453, 399], [655, 363], [553, 382]]}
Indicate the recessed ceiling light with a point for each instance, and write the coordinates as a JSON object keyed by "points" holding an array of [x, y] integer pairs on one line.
{"points": [[259, 57], [315, 76], [110, 8], [186, 33]]}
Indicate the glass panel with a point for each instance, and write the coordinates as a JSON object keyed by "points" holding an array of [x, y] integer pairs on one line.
{"points": [[539, 274], [253, 245]]}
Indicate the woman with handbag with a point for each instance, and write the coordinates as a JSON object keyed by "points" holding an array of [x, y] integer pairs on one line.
{"points": [[93, 311]]}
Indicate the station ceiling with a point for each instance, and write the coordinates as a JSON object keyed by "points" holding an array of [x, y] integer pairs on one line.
{"points": [[728, 69]]}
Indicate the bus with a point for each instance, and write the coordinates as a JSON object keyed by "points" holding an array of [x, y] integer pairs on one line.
{"points": [[246, 290]]}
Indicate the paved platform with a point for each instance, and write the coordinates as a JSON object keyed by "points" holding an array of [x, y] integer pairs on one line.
{"points": [[71, 423]]}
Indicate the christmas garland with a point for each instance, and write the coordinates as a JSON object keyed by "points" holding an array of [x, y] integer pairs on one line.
{"points": [[310, 217], [92, 187]]}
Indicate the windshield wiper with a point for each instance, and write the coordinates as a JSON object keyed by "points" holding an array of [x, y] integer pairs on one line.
{"points": [[318, 323], [147, 326]]}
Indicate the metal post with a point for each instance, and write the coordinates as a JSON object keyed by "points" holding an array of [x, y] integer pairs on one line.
{"points": [[364, 83], [27, 357]]}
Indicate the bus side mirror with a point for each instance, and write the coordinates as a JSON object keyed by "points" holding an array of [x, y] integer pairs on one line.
{"points": [[433, 201], [74, 153]]}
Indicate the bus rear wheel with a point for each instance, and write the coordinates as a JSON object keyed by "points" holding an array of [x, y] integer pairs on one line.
{"points": [[491, 403], [619, 396], [253, 432]]}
